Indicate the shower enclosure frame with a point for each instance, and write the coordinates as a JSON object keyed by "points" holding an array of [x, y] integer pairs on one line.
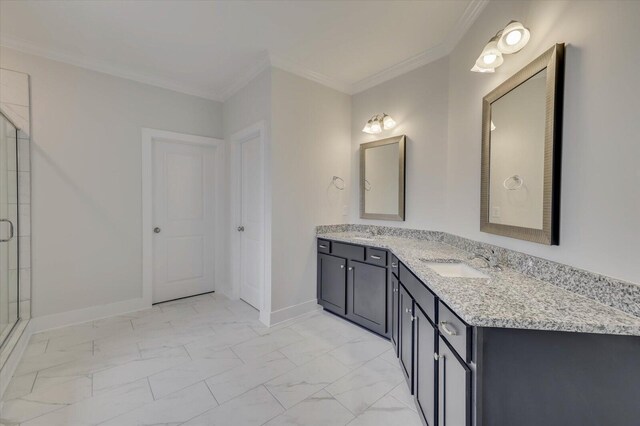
{"points": [[15, 234]]}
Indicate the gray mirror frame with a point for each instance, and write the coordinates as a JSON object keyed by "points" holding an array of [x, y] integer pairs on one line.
{"points": [[553, 61], [401, 141]]}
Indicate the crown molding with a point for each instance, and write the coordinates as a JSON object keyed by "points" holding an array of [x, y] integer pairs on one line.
{"points": [[474, 8], [106, 68], [301, 71], [471, 13], [245, 78]]}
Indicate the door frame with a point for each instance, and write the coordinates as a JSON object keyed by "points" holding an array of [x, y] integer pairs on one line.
{"points": [[149, 137], [258, 130]]}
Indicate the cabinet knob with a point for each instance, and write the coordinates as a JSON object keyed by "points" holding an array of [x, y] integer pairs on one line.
{"points": [[413, 318], [341, 266], [350, 268], [240, 228], [394, 265], [407, 310], [157, 230], [437, 357]]}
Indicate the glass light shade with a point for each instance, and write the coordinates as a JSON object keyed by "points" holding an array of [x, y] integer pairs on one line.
{"points": [[367, 127], [375, 126], [493, 126], [514, 37], [388, 122], [490, 57], [476, 68]]}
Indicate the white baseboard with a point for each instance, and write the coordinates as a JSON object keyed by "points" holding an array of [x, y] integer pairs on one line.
{"points": [[63, 319], [292, 312], [16, 347]]}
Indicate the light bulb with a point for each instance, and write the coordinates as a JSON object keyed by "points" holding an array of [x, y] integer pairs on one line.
{"points": [[375, 126], [489, 59], [490, 56], [513, 38], [388, 122]]}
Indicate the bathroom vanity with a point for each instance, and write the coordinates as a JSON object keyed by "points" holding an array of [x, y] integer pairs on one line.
{"points": [[480, 346]]}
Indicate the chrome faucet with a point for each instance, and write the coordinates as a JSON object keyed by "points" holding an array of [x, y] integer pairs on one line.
{"points": [[491, 259]]}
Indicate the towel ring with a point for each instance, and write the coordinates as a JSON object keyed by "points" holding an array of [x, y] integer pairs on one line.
{"points": [[513, 182], [338, 182]]}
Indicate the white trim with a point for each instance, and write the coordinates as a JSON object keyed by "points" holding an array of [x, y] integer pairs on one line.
{"points": [[19, 340], [297, 69], [148, 137], [256, 130], [92, 313], [471, 13], [292, 312], [106, 67], [245, 78]]}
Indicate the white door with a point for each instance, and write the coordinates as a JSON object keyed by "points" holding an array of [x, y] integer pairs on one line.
{"points": [[184, 220], [251, 228]]}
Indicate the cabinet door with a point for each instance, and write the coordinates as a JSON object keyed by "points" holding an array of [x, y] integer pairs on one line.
{"points": [[367, 296], [406, 336], [424, 367], [332, 283], [395, 299], [454, 389]]}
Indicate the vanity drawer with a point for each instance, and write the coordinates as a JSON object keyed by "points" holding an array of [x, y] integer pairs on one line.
{"points": [[454, 331], [348, 251], [377, 256], [324, 246], [395, 265], [420, 293]]}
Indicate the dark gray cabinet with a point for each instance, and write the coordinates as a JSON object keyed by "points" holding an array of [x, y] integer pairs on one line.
{"points": [[332, 283], [425, 371], [454, 388], [367, 294], [405, 322], [395, 297]]}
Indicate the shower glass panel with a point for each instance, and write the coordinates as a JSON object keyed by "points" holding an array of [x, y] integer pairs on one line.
{"points": [[9, 296]]}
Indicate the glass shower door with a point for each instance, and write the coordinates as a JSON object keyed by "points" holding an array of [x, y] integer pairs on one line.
{"points": [[9, 297]]}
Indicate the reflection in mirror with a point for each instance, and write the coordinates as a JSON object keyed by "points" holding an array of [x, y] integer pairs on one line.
{"points": [[382, 179], [521, 149], [517, 155]]}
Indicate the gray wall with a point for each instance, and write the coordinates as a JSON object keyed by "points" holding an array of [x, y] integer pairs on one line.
{"points": [[86, 177], [439, 107], [310, 138]]}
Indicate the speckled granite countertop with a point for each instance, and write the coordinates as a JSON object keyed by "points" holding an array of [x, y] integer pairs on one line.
{"points": [[507, 299]]}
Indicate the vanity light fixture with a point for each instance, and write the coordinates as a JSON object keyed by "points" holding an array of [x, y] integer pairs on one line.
{"points": [[509, 40], [377, 123]]}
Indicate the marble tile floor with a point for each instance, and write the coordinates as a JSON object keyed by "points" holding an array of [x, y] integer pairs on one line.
{"points": [[208, 361]]}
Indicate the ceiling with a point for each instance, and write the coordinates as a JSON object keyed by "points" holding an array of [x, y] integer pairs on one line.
{"points": [[212, 48]]}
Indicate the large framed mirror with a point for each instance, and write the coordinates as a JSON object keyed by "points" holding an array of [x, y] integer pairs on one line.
{"points": [[521, 152], [382, 179]]}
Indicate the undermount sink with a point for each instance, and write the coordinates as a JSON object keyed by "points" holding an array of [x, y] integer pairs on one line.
{"points": [[457, 270]]}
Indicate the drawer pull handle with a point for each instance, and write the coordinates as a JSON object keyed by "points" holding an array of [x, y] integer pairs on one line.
{"points": [[394, 265], [408, 310], [446, 329], [413, 318], [373, 256], [322, 246]]}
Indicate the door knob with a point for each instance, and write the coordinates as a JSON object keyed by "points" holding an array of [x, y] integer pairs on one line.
{"points": [[157, 230], [240, 228]]}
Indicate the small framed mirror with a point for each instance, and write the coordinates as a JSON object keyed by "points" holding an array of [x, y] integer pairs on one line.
{"points": [[521, 152], [382, 179]]}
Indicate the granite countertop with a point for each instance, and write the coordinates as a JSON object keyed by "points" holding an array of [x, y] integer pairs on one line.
{"points": [[507, 299]]}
